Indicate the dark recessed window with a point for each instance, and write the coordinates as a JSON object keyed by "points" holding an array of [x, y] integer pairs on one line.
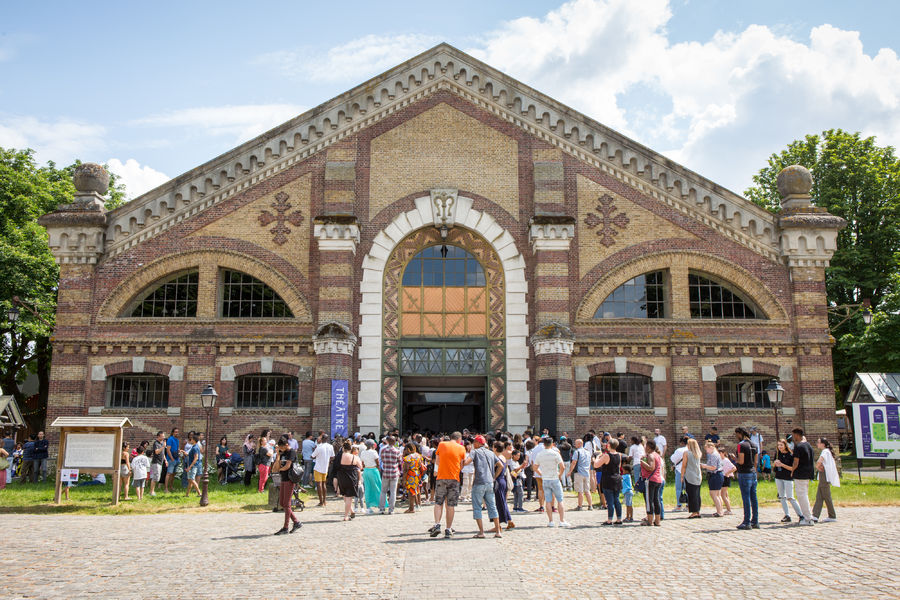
{"points": [[137, 391], [643, 297], [266, 391], [742, 391], [176, 297], [711, 299], [244, 296], [620, 391]]}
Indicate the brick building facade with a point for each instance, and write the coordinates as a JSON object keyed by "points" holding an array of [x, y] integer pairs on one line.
{"points": [[462, 250]]}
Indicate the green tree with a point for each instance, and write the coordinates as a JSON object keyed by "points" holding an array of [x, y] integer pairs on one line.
{"points": [[27, 268], [853, 178]]}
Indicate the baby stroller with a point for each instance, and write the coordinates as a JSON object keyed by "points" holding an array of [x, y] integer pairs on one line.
{"points": [[296, 503], [234, 469]]}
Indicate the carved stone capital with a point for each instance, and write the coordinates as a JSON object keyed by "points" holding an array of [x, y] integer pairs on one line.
{"points": [[551, 233], [337, 233], [553, 346], [76, 231], [334, 346]]}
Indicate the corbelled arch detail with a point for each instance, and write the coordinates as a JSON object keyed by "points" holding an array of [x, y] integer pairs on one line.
{"points": [[378, 398]]}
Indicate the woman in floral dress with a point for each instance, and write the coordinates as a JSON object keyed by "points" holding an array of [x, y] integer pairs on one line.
{"points": [[413, 469]]}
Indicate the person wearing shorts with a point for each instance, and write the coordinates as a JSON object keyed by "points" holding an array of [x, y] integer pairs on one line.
{"points": [[549, 466], [322, 457], [451, 455], [157, 458], [172, 458], [581, 469]]}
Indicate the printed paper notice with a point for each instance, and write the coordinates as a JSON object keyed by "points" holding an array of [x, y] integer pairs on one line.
{"points": [[90, 451]]}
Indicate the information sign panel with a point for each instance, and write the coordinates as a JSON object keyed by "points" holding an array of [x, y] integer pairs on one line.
{"points": [[90, 451], [877, 430]]}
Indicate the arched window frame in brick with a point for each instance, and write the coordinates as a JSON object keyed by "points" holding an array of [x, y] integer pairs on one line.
{"points": [[749, 367], [740, 297], [100, 375], [666, 300], [154, 288], [227, 382]]}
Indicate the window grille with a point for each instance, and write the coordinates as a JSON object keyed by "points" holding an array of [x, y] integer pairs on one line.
{"points": [[173, 298], [643, 297], [742, 391], [266, 391], [713, 300], [620, 391], [244, 296], [137, 391], [446, 361]]}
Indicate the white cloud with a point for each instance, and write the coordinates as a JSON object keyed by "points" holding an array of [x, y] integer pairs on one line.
{"points": [[137, 179], [62, 140], [357, 59], [720, 106], [240, 122]]}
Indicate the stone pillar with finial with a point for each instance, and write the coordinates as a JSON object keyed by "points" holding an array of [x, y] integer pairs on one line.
{"points": [[808, 236], [76, 235]]}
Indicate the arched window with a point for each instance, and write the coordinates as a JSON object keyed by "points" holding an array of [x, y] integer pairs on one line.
{"points": [[266, 391], [137, 390], [643, 297], [444, 294], [711, 299], [620, 391], [175, 296], [244, 296], [742, 391]]}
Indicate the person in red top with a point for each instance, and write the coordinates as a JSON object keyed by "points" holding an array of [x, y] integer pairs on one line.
{"points": [[451, 455]]}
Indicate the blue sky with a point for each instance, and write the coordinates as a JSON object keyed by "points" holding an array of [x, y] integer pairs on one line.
{"points": [[158, 88]]}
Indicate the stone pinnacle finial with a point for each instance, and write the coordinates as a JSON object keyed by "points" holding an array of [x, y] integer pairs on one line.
{"points": [[91, 178], [794, 183]]}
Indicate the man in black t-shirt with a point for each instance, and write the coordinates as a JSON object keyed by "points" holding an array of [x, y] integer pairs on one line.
{"points": [[746, 474], [156, 461], [803, 470]]}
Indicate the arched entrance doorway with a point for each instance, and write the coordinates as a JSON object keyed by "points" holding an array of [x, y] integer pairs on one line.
{"points": [[444, 343]]}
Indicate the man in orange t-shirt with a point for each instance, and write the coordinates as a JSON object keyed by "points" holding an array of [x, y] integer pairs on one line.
{"points": [[451, 456]]}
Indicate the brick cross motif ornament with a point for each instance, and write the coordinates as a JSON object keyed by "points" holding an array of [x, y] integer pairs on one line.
{"points": [[281, 206], [608, 221]]}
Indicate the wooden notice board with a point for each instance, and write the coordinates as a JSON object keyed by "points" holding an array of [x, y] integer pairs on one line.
{"points": [[90, 443]]}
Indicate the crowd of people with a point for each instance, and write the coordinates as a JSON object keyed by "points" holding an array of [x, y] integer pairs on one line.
{"points": [[497, 472]]}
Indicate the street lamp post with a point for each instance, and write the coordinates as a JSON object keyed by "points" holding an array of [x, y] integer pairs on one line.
{"points": [[776, 394], [208, 401]]}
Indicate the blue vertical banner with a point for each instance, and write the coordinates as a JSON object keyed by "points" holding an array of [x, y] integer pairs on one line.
{"points": [[340, 402]]}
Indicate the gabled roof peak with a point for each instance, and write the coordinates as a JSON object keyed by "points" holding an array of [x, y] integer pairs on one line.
{"points": [[442, 67]]}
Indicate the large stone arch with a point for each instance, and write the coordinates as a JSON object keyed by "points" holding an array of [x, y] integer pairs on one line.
{"points": [[372, 290]]}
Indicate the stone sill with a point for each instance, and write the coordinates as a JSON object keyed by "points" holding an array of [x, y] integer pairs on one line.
{"points": [[129, 411], [268, 411], [630, 410]]}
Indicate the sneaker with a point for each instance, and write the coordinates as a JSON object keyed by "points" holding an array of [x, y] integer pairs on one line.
{"points": [[828, 520], [448, 533], [743, 526], [577, 508], [539, 509], [754, 526], [551, 524], [564, 524], [296, 526], [803, 521], [282, 531], [435, 530], [153, 494], [786, 520], [815, 519]]}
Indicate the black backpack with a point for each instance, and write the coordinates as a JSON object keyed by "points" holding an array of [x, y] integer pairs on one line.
{"points": [[295, 473]]}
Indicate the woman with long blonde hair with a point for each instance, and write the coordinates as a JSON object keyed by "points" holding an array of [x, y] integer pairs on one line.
{"points": [[692, 477]]}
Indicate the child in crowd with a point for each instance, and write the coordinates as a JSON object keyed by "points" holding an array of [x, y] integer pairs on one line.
{"points": [[766, 463], [628, 492], [518, 476], [140, 465]]}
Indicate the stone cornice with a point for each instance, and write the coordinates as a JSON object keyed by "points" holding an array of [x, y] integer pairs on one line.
{"points": [[441, 68], [553, 346]]}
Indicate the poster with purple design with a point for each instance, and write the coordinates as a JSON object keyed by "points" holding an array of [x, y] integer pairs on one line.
{"points": [[340, 407], [877, 430]]}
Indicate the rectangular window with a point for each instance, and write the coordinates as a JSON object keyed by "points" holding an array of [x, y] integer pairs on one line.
{"points": [[137, 391], [620, 391], [742, 391], [266, 391]]}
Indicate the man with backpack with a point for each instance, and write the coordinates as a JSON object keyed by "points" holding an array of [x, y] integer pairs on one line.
{"points": [[746, 472]]}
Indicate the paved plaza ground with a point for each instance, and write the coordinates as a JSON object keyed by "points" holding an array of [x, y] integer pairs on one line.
{"points": [[234, 555]]}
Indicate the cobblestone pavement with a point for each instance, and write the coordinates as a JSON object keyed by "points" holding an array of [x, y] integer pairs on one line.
{"points": [[224, 555]]}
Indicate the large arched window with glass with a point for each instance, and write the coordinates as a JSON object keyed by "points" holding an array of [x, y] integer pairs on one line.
{"points": [[643, 297], [174, 296], [714, 299], [444, 294], [244, 296]]}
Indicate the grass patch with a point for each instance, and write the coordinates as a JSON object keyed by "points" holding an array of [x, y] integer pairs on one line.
{"points": [[31, 498]]}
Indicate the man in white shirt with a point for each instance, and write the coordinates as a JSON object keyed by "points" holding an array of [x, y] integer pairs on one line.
{"points": [[636, 452], [661, 443], [322, 457], [549, 466], [676, 459]]}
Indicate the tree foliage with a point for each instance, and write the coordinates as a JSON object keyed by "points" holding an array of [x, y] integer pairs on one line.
{"points": [[27, 268], [858, 180]]}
